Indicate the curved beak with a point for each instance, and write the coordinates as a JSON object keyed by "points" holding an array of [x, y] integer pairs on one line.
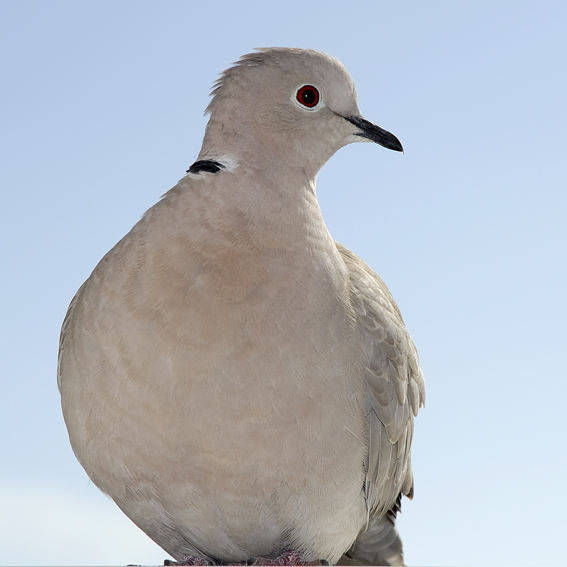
{"points": [[375, 133]]}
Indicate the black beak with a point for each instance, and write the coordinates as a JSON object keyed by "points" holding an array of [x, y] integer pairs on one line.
{"points": [[375, 133]]}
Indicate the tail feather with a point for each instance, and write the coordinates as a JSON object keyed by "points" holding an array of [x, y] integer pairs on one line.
{"points": [[380, 544]]}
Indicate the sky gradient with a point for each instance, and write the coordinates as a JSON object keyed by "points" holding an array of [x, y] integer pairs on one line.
{"points": [[102, 111]]}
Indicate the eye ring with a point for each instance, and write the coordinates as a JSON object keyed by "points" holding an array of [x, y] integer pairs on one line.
{"points": [[308, 96]]}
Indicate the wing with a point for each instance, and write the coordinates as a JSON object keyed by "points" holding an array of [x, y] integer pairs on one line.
{"points": [[63, 334], [394, 383]]}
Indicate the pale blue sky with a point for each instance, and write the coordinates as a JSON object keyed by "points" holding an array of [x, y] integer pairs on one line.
{"points": [[102, 111]]}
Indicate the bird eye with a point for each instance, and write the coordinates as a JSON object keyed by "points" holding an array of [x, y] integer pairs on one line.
{"points": [[308, 96]]}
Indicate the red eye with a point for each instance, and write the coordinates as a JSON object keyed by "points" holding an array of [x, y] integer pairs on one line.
{"points": [[308, 96]]}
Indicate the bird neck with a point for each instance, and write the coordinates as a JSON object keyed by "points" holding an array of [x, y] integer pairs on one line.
{"points": [[261, 148]]}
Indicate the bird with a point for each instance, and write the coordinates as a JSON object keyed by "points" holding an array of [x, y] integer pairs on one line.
{"points": [[241, 385]]}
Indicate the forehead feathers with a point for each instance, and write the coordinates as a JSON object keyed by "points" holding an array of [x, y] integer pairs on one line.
{"points": [[274, 71]]}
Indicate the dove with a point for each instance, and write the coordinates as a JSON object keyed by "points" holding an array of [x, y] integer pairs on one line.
{"points": [[241, 385]]}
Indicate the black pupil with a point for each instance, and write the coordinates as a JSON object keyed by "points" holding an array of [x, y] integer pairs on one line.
{"points": [[308, 96]]}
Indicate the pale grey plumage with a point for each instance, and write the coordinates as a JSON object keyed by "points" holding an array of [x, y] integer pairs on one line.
{"points": [[235, 380]]}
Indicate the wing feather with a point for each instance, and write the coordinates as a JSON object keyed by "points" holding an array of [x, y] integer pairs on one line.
{"points": [[395, 386]]}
